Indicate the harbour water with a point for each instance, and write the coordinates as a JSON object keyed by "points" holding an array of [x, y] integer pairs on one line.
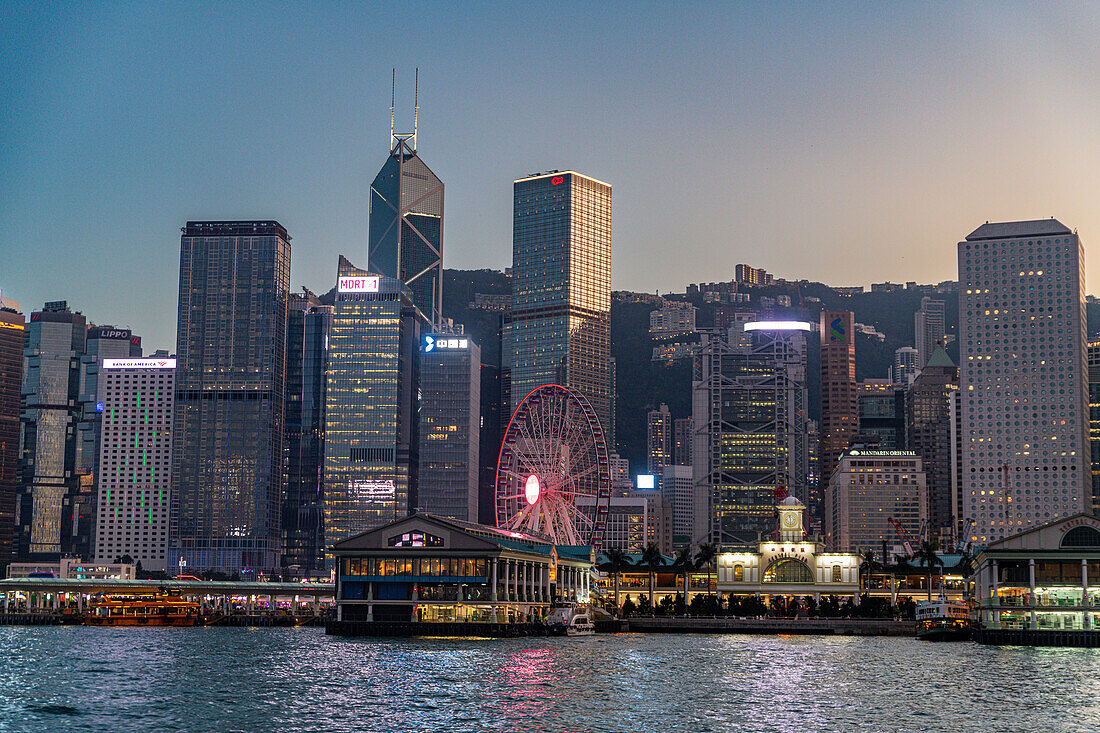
{"points": [[222, 679]]}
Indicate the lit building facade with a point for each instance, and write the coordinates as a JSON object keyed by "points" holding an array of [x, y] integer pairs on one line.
{"points": [[371, 441], [559, 330], [450, 417], [134, 471], [867, 490], [1026, 453], [678, 489], [749, 399], [12, 330], [658, 439], [674, 318], [227, 448], [839, 403], [48, 433], [1094, 422], [789, 564], [682, 437], [406, 225], [308, 325], [932, 436], [906, 366]]}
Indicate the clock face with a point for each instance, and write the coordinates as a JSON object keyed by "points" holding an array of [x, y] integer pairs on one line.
{"points": [[790, 520]]}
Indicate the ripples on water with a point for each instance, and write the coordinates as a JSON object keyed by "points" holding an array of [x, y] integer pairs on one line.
{"points": [[81, 678]]}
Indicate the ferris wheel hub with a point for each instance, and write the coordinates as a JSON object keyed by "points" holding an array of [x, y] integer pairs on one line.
{"points": [[531, 490]]}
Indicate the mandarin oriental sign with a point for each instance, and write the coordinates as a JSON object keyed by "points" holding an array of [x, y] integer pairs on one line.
{"points": [[359, 284]]}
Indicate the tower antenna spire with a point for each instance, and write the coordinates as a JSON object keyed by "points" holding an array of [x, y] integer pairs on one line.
{"points": [[416, 103], [393, 99]]}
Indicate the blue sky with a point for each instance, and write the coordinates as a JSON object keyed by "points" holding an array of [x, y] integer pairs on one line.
{"points": [[840, 142]]}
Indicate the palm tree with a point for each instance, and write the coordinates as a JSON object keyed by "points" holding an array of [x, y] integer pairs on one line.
{"points": [[651, 559], [617, 561], [867, 560], [929, 555], [705, 557], [684, 564]]}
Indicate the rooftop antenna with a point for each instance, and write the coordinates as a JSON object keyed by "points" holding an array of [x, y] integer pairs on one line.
{"points": [[416, 103], [393, 99]]}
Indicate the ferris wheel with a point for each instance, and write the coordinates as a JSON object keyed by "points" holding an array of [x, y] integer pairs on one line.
{"points": [[553, 473]]}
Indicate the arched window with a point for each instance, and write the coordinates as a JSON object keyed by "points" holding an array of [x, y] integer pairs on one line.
{"points": [[788, 570], [1081, 537], [738, 573], [836, 573]]}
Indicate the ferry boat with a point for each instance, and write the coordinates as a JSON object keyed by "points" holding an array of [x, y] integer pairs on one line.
{"points": [[160, 608], [943, 620], [570, 622]]}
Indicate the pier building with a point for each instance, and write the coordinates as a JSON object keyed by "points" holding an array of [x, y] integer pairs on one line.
{"points": [[426, 568]]}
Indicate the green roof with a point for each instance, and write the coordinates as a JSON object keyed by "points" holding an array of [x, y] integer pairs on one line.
{"points": [[939, 358]]}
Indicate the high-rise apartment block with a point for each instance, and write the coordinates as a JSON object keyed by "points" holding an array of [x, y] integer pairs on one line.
{"points": [[906, 366], [749, 400], [49, 483], [560, 324], [227, 448], [12, 329], [371, 441], [674, 318], [406, 225], [678, 490], [839, 405], [867, 490], [658, 439], [752, 276], [930, 327], [308, 324], [933, 437], [134, 470], [450, 417], [1023, 377], [682, 429]]}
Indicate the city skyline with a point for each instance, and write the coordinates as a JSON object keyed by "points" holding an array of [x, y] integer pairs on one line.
{"points": [[117, 112]]}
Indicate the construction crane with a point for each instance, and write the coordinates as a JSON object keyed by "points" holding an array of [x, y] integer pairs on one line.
{"points": [[906, 542]]}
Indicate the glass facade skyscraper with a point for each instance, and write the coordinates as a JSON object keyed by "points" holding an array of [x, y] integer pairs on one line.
{"points": [[450, 412], [370, 466], [227, 452], [406, 226], [48, 432], [12, 329], [560, 323], [308, 325]]}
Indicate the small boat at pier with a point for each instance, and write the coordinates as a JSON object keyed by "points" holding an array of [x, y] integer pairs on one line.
{"points": [[162, 608]]}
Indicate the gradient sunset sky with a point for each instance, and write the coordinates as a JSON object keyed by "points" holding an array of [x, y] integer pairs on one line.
{"points": [[845, 143]]}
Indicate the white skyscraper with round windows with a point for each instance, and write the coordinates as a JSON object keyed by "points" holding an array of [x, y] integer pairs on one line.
{"points": [[1023, 378]]}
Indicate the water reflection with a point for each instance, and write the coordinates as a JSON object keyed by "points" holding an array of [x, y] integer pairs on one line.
{"points": [[299, 680]]}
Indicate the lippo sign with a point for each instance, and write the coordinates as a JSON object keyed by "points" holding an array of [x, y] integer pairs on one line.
{"points": [[357, 285], [139, 363]]}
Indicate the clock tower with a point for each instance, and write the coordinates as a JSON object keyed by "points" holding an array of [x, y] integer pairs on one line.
{"points": [[790, 520]]}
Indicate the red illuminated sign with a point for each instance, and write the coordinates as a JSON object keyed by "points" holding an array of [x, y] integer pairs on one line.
{"points": [[557, 180]]}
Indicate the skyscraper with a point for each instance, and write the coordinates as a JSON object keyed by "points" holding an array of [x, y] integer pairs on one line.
{"points": [[227, 452], [12, 328], [560, 323], [929, 327], [103, 342], [450, 416], [681, 441], [308, 325], [868, 489], [50, 413], [932, 436], [839, 406], [751, 442], [658, 439], [1023, 375], [134, 472], [881, 413], [1094, 421], [906, 367], [371, 441], [406, 225]]}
